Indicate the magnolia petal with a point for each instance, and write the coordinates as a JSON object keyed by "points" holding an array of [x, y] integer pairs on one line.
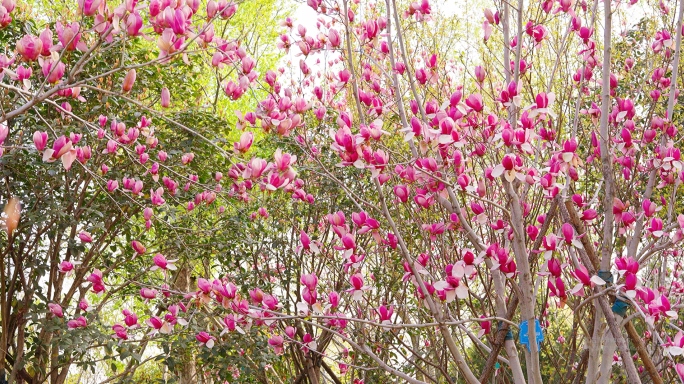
{"points": [[318, 308], [441, 285], [357, 295], [510, 175], [577, 244], [498, 170], [576, 288], [461, 291], [47, 154], [165, 329], [445, 139], [567, 156], [675, 351], [458, 271]]}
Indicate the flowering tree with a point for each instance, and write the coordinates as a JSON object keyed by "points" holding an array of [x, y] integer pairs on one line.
{"points": [[405, 214], [96, 146]]}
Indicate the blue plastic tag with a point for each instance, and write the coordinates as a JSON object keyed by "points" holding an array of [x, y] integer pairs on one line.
{"points": [[620, 307], [524, 337]]}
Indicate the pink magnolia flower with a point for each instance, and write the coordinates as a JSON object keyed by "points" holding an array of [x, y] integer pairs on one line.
{"points": [[630, 285], [112, 185], [158, 325], [66, 267], [156, 197], [134, 23], [475, 102], [85, 237], [162, 263], [88, 7], [165, 98], [453, 287], [402, 192], [70, 36], [568, 233], [148, 293], [310, 281], [585, 280], [656, 227], [81, 322], [29, 47], [46, 38], [95, 277], [650, 208], [138, 247], [60, 147], [276, 341], [333, 299], [306, 243], [679, 368], [187, 158], [120, 332], [628, 265], [56, 309], [205, 339], [128, 81], [40, 140], [480, 73], [231, 324], [172, 317], [204, 285], [434, 230], [557, 289], [589, 215], [131, 319], [270, 302], [675, 347], [385, 314], [549, 244], [485, 327], [257, 295], [358, 286], [662, 305], [85, 306]]}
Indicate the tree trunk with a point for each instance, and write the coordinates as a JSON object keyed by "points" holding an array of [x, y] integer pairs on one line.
{"points": [[187, 374]]}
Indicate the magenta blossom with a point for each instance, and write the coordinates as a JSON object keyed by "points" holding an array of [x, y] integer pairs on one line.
{"points": [[162, 263], [131, 319], [276, 342], [81, 322], [56, 309], [205, 339]]}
